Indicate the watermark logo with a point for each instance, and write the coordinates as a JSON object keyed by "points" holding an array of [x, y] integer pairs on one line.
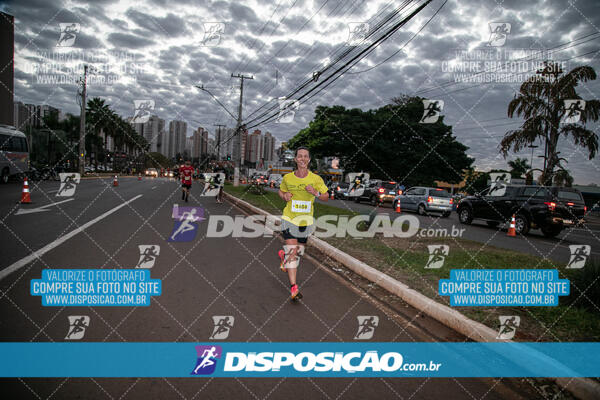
{"points": [[142, 110], [287, 110], [68, 184], [357, 185], [213, 32], [207, 359], [579, 255], [186, 226], [508, 326], [68, 34], [357, 33], [497, 189], [499, 31], [432, 110], [223, 325], [148, 255], [499, 177], [437, 255], [366, 326], [573, 110], [77, 326], [213, 182]]}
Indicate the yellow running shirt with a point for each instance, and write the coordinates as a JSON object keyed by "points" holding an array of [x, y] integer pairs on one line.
{"points": [[299, 210]]}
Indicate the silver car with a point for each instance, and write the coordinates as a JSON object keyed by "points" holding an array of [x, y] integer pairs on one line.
{"points": [[424, 200]]}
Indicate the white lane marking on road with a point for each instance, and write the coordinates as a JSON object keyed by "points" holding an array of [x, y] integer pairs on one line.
{"points": [[154, 187], [37, 254], [22, 211], [52, 191]]}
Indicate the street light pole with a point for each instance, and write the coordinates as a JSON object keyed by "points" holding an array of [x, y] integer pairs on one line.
{"points": [[219, 141], [82, 123], [532, 146], [239, 159]]}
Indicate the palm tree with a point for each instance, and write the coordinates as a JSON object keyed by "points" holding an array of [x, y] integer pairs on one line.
{"points": [[562, 177], [518, 167], [541, 101], [98, 115]]}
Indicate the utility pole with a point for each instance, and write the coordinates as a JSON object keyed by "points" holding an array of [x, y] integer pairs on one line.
{"points": [[219, 141], [237, 144], [82, 124]]}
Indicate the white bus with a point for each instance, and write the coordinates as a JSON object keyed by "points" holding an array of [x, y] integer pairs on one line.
{"points": [[14, 152]]}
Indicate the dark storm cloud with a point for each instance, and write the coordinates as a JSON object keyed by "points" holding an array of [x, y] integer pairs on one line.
{"points": [[279, 62], [126, 41], [171, 25]]}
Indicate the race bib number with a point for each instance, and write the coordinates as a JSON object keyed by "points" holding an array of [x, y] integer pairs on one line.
{"points": [[300, 206], [187, 178]]}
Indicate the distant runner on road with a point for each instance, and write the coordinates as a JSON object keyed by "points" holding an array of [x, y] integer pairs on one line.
{"points": [[299, 190], [186, 173]]}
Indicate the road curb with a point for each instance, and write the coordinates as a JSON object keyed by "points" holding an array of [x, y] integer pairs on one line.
{"points": [[583, 388]]}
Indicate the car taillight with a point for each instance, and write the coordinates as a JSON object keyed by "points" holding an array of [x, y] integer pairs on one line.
{"points": [[430, 199], [451, 200], [551, 205], [381, 190], [584, 209], [337, 188], [570, 204]]}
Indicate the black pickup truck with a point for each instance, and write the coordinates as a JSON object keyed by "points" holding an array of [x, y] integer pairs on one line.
{"points": [[549, 208]]}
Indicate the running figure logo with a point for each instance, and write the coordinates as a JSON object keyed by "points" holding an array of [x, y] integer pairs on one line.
{"points": [[499, 31], [223, 324], [212, 183], [77, 326], [508, 326], [287, 110], [185, 228], [497, 189], [573, 110], [432, 110], [579, 255], [142, 110], [148, 254], [366, 326], [358, 32], [212, 33], [437, 255], [68, 34], [68, 184], [207, 359]]}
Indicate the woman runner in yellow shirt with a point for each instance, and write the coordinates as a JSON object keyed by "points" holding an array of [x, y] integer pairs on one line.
{"points": [[299, 190]]}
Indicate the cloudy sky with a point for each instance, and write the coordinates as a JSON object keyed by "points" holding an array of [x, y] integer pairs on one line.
{"points": [[160, 50]]}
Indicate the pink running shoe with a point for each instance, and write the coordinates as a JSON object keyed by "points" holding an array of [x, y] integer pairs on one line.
{"points": [[295, 293]]}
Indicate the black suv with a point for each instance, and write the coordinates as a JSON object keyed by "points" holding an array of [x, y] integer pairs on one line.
{"points": [[379, 192], [549, 208]]}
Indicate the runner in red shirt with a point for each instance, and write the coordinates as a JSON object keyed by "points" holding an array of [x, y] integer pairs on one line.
{"points": [[186, 173]]}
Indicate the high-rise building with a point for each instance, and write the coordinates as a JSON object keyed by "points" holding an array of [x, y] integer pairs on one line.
{"points": [[24, 115], [153, 131], [224, 142], [196, 143], [7, 73], [177, 135], [269, 147], [255, 147], [204, 143]]}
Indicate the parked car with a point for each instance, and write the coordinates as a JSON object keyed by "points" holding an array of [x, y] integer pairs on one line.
{"points": [[379, 192], [548, 208], [152, 172], [425, 200], [339, 190]]}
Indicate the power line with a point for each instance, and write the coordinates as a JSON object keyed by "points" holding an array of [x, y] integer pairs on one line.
{"points": [[404, 45]]}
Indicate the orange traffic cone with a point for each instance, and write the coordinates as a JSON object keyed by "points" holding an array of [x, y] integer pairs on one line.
{"points": [[511, 229], [398, 207], [25, 195], [115, 181], [332, 196], [139, 177]]}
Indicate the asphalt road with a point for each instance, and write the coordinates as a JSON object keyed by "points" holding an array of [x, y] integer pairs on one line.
{"points": [[553, 249], [202, 278]]}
